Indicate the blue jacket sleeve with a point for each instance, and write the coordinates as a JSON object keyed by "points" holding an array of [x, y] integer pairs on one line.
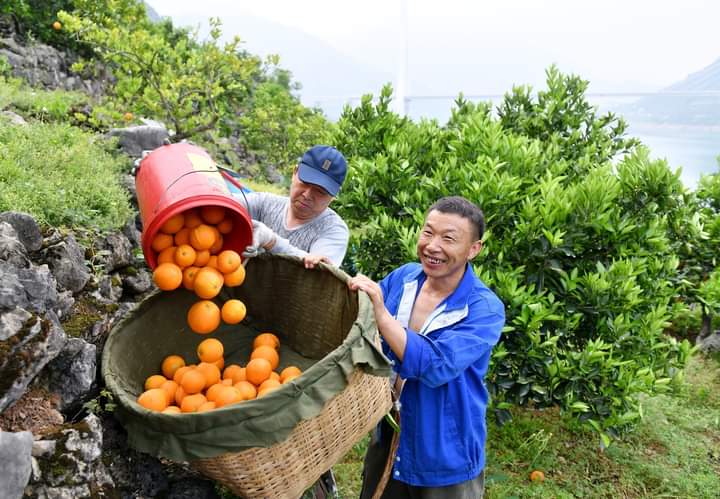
{"points": [[435, 361]]}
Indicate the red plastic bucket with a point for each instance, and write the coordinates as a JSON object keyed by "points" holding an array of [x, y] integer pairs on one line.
{"points": [[176, 177]]}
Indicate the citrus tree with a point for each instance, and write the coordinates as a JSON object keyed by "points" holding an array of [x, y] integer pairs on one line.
{"points": [[578, 247], [194, 85], [188, 83]]}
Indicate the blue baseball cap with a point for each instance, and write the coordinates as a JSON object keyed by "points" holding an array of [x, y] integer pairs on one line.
{"points": [[324, 166]]}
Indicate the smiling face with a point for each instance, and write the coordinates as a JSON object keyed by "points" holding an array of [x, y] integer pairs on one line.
{"points": [[307, 201], [447, 242]]}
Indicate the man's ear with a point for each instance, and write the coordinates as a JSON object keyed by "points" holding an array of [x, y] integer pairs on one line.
{"points": [[475, 249]]}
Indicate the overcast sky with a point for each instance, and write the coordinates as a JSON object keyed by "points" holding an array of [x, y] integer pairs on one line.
{"points": [[484, 47]]}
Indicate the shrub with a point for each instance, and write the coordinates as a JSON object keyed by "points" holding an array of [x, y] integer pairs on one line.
{"points": [[61, 176], [578, 249]]}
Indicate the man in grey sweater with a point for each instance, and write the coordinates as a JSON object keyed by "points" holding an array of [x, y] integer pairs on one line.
{"points": [[303, 224]]}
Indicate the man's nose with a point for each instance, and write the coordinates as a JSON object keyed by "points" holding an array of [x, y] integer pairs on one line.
{"points": [[434, 242]]}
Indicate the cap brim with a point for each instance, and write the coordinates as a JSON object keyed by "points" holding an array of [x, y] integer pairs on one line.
{"points": [[312, 176]]}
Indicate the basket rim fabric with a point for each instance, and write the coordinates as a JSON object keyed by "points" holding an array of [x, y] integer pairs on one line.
{"points": [[187, 437]]}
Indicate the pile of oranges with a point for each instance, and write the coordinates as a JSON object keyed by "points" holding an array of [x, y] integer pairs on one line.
{"points": [[189, 252], [209, 384]]}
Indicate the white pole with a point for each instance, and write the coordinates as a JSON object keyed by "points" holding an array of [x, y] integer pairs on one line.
{"points": [[401, 78]]}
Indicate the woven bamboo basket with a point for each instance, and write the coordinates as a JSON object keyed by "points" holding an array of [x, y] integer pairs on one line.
{"points": [[287, 469], [277, 446]]}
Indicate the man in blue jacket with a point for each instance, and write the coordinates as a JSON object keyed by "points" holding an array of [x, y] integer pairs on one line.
{"points": [[439, 323]]}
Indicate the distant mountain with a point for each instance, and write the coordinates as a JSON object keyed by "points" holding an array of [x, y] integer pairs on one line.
{"points": [[682, 109], [152, 15], [327, 75]]}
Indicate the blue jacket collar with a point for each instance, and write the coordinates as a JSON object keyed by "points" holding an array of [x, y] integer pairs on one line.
{"points": [[458, 298]]}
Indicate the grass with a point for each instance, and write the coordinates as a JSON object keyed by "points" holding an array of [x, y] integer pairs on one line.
{"points": [[62, 176], [674, 452]]}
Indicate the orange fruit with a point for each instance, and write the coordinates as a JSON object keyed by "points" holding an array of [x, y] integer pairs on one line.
{"points": [[179, 373], [173, 224], [269, 383], [267, 339], [218, 244], [537, 476], [220, 363], [190, 403], [210, 372], [167, 276], [227, 382], [189, 274], [231, 370], [275, 376], [182, 236], [211, 393], [289, 371], [202, 237], [212, 262], [258, 370], [212, 214], [233, 311], [179, 395], [202, 258], [226, 226], [172, 409], [193, 381], [210, 350], [57, 26], [246, 389], [167, 255], [239, 375], [170, 388], [208, 283], [235, 278], [192, 219], [268, 353], [227, 395], [228, 261], [170, 364], [154, 399], [207, 406], [161, 241], [185, 255], [154, 381], [204, 317], [289, 378]]}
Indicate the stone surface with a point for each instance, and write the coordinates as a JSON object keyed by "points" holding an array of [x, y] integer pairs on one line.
{"points": [[136, 139], [67, 261], [32, 288], [115, 252], [72, 461], [14, 119], [38, 342], [710, 344], [45, 66], [15, 463], [138, 283], [27, 229], [72, 373], [12, 250]]}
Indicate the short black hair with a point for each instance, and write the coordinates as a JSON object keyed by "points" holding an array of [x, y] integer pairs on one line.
{"points": [[466, 209]]}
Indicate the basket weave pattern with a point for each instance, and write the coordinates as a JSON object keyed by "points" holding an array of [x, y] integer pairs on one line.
{"points": [[286, 469]]}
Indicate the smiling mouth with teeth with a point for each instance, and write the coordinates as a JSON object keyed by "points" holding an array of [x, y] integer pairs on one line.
{"points": [[433, 260]]}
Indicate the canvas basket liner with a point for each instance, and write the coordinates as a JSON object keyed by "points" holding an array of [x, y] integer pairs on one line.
{"points": [[278, 445]]}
